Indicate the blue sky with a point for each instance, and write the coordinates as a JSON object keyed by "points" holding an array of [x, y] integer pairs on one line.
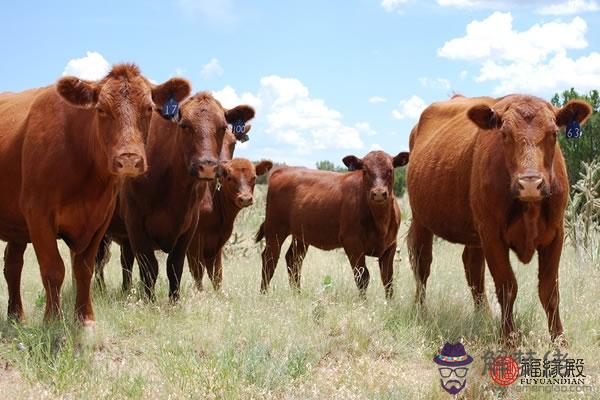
{"points": [[327, 78]]}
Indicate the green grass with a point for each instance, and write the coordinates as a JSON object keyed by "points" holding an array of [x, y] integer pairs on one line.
{"points": [[321, 343]]}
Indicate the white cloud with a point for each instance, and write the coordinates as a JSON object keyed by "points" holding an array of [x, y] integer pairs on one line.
{"points": [[91, 67], [392, 5], [435, 83], [410, 108], [366, 128], [569, 7], [212, 69], [534, 60], [229, 98], [377, 99], [291, 116]]}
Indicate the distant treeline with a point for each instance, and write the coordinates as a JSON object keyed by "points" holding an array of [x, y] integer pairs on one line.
{"points": [[587, 147]]}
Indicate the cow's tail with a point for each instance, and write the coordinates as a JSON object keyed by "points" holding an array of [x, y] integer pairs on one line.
{"points": [[260, 235]]}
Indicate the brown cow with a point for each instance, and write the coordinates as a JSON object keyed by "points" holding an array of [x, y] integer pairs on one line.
{"points": [[218, 210], [159, 211], [329, 210], [64, 151], [489, 174]]}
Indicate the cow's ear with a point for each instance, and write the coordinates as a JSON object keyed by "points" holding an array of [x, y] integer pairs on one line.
{"points": [[77, 92], [400, 160], [242, 113], [175, 88], [352, 162], [263, 167], [574, 110], [247, 128], [484, 117]]}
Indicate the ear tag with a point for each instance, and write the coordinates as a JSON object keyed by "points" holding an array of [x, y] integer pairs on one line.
{"points": [[238, 128], [170, 109], [218, 186], [574, 130]]}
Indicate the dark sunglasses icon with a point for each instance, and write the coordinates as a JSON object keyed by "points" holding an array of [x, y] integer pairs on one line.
{"points": [[459, 372]]}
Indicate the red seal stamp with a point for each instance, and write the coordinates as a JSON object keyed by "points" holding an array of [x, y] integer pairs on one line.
{"points": [[504, 370]]}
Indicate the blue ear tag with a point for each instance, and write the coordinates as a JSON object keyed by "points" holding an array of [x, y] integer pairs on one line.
{"points": [[170, 109], [238, 128], [573, 130]]}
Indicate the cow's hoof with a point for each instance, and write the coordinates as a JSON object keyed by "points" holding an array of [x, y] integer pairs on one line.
{"points": [[561, 341]]}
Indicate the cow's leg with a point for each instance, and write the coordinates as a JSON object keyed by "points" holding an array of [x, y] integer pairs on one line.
{"points": [[386, 268], [127, 260], [474, 263], [294, 258], [102, 259], [359, 269], [270, 256], [175, 262], [549, 259], [214, 267], [13, 266], [195, 258], [52, 267], [148, 265], [497, 256], [419, 241]]}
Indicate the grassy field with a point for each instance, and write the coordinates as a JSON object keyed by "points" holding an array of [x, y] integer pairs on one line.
{"points": [[324, 343]]}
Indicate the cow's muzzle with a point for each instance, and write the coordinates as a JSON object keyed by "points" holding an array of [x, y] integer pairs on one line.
{"points": [[129, 164], [205, 168]]}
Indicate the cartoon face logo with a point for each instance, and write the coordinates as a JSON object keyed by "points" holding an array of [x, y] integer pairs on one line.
{"points": [[452, 364]]}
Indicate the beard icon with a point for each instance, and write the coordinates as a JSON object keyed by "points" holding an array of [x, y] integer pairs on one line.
{"points": [[453, 363]]}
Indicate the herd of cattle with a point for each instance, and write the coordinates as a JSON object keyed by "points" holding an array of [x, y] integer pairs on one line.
{"points": [[151, 167]]}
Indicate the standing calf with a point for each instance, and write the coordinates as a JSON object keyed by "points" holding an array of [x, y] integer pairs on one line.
{"points": [[218, 210], [355, 210]]}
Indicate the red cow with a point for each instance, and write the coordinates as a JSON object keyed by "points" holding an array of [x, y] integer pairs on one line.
{"points": [[329, 210], [489, 174], [218, 209], [64, 150], [159, 211]]}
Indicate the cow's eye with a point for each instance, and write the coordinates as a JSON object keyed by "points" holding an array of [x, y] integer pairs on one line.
{"points": [[149, 109], [101, 111], [184, 126]]}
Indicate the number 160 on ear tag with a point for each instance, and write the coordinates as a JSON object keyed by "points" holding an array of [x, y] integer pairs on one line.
{"points": [[573, 130], [239, 128]]}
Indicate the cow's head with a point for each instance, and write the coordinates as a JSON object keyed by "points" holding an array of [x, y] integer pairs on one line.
{"points": [[229, 142], [529, 127], [238, 178], [123, 103], [378, 173], [203, 125]]}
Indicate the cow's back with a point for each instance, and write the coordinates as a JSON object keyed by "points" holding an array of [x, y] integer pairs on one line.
{"points": [[439, 172], [307, 204]]}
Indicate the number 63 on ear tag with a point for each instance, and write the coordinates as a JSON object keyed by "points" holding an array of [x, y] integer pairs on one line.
{"points": [[573, 130]]}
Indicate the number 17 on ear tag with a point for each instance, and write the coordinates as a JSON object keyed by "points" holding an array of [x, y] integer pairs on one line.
{"points": [[170, 109], [573, 130]]}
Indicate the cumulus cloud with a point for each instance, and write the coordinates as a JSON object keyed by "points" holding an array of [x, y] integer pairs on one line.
{"points": [[212, 69], [569, 7], [534, 60], [91, 67], [377, 99], [410, 108], [291, 116], [392, 5], [366, 128]]}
